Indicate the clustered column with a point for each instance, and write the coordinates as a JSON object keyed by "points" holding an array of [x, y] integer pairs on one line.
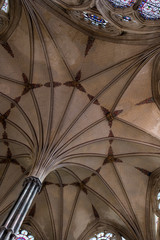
{"points": [[13, 222]]}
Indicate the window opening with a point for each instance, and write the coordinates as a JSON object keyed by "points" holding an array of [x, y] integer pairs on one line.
{"points": [[24, 235], [94, 19], [5, 7], [105, 235], [121, 3], [150, 9]]}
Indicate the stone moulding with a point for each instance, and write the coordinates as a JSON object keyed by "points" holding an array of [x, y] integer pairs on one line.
{"points": [[31, 225], [109, 30], [9, 21], [136, 31], [101, 225], [76, 4], [156, 80], [137, 24], [152, 203], [4, 21]]}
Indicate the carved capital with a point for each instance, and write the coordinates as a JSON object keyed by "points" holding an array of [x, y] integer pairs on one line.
{"points": [[33, 179]]}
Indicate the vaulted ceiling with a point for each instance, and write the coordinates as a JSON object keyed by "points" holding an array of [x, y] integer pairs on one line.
{"points": [[82, 114]]}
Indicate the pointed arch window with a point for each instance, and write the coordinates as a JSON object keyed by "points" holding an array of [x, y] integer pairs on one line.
{"points": [[150, 9], [105, 235], [24, 235], [5, 7], [121, 3]]}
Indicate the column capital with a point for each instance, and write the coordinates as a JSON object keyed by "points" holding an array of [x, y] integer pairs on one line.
{"points": [[33, 179]]}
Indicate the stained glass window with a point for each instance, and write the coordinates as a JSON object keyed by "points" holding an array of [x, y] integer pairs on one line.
{"points": [[158, 196], [126, 18], [24, 235], [5, 6], [150, 9], [94, 19], [158, 200], [121, 3], [105, 235]]}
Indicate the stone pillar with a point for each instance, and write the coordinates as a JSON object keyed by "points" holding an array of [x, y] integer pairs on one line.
{"points": [[15, 218]]}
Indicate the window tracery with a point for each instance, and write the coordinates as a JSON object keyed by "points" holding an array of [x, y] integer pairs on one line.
{"points": [[24, 235], [150, 9], [118, 19], [121, 3], [105, 235], [124, 18], [94, 19], [5, 7]]}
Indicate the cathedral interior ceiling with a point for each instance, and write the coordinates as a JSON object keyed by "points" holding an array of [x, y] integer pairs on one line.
{"points": [[82, 114]]}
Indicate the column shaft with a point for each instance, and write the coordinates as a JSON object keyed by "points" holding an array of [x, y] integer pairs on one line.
{"points": [[13, 222]]}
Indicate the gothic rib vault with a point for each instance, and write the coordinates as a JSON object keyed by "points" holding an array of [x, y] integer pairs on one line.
{"points": [[82, 115]]}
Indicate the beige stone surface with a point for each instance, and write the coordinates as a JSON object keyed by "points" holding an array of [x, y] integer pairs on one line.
{"points": [[79, 123]]}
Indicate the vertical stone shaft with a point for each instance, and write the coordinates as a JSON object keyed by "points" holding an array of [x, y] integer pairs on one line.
{"points": [[13, 222]]}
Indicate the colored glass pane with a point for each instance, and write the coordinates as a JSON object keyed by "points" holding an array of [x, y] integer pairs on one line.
{"points": [[121, 3], [24, 235], [94, 19], [123, 18], [5, 6], [104, 236], [126, 18], [150, 9]]}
